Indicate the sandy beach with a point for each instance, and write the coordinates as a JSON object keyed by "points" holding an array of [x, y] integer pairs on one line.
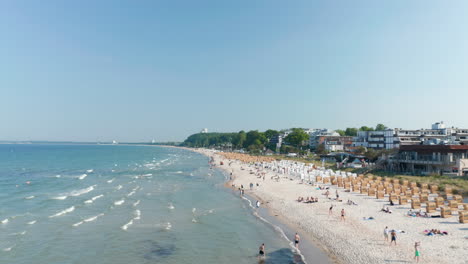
{"points": [[354, 240]]}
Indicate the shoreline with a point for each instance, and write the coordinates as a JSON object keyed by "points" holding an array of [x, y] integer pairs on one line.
{"points": [[357, 239], [312, 251]]}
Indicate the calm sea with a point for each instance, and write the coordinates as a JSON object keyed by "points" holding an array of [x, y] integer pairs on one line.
{"points": [[124, 204]]}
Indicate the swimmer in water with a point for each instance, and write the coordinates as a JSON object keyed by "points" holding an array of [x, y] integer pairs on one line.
{"points": [[261, 251]]}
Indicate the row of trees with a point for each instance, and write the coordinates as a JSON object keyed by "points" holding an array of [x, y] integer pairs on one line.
{"points": [[251, 141], [352, 131]]}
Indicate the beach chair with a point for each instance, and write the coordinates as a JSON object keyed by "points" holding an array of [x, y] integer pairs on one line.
{"points": [[363, 189], [388, 190], [465, 207], [424, 186], [425, 191], [463, 217], [371, 192], [430, 207], [448, 190], [414, 190], [445, 212], [326, 180], [424, 198], [403, 200], [347, 186], [378, 178], [453, 204], [434, 188], [405, 183], [393, 197], [318, 178], [380, 195], [458, 198], [415, 203], [413, 184], [380, 187], [408, 193], [439, 201], [396, 181]]}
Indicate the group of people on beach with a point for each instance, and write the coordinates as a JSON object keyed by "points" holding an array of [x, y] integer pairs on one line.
{"points": [[311, 199]]}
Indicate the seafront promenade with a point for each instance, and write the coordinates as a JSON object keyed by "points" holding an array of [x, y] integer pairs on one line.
{"points": [[359, 238]]}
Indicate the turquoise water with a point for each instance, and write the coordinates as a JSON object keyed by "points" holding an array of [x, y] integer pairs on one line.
{"points": [[124, 204]]}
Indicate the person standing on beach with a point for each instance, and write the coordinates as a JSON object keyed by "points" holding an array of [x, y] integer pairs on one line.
{"points": [[296, 240], [261, 251], [330, 211], [417, 253], [342, 215], [393, 235], [385, 233], [257, 204]]}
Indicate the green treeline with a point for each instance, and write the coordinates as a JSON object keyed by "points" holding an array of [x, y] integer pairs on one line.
{"points": [[251, 141]]}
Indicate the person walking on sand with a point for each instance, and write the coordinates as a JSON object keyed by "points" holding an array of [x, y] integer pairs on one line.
{"points": [[393, 236], [417, 254], [296, 240], [330, 211], [342, 215], [385, 233], [261, 251]]}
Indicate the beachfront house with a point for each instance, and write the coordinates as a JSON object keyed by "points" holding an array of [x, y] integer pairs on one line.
{"points": [[432, 159]]}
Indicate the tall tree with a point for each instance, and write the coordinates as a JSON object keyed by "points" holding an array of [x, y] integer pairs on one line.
{"points": [[297, 137], [380, 127], [366, 128], [351, 131], [271, 133], [341, 132]]}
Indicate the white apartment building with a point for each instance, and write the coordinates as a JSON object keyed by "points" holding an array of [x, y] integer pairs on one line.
{"points": [[394, 138]]}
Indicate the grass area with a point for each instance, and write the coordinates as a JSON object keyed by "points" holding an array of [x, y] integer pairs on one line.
{"points": [[459, 184]]}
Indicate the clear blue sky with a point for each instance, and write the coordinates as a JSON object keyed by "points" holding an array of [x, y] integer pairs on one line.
{"points": [[136, 70]]}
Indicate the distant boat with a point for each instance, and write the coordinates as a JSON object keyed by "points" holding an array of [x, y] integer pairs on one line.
{"points": [[114, 142]]}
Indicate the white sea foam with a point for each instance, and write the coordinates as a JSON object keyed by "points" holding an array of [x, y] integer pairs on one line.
{"points": [[136, 203], [66, 211], [130, 193], [124, 227], [81, 177], [110, 181], [77, 224], [82, 191], [94, 199], [89, 171], [58, 176], [60, 197], [179, 172], [30, 197], [168, 226], [32, 222], [119, 187], [171, 206], [119, 202], [4, 221], [8, 249], [93, 218], [147, 175], [19, 233], [137, 214]]}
